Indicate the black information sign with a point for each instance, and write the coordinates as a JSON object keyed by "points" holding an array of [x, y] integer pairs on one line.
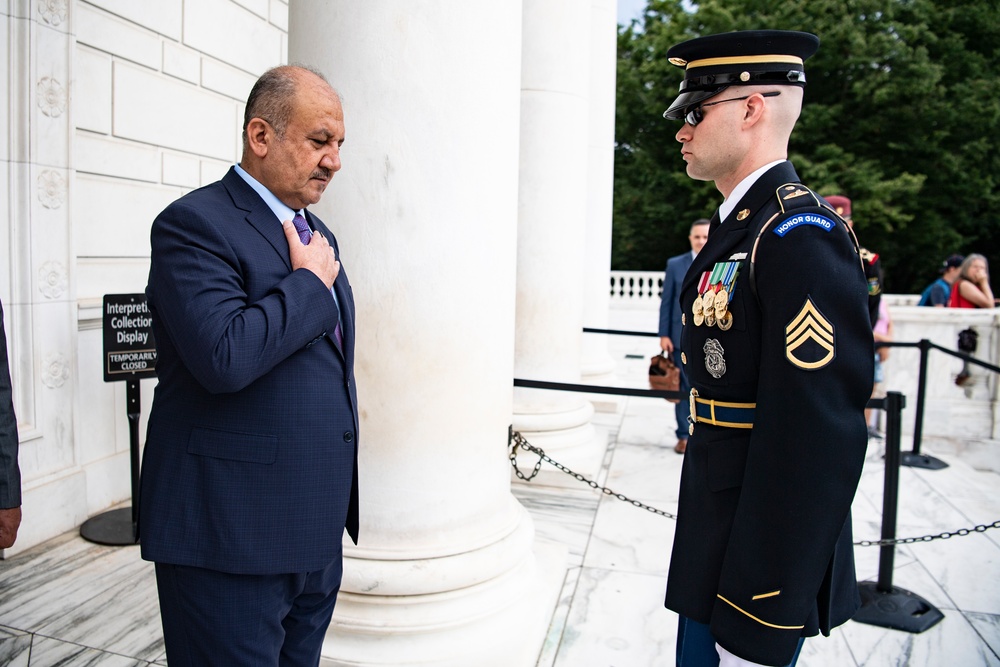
{"points": [[129, 350]]}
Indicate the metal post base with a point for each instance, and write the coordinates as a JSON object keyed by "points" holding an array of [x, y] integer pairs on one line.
{"points": [[898, 609], [922, 461], [113, 528]]}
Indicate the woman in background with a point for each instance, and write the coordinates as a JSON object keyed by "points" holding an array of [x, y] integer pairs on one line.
{"points": [[972, 289]]}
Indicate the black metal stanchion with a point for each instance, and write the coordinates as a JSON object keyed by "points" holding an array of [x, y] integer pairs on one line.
{"points": [[129, 356], [117, 527], [882, 603], [914, 458]]}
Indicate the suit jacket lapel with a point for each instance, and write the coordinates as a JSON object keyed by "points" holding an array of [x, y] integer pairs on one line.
{"points": [[259, 215], [261, 218], [341, 289]]}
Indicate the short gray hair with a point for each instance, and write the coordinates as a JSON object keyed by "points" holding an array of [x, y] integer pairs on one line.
{"points": [[272, 98]]}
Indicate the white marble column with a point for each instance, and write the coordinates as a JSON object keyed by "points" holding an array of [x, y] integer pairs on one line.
{"points": [[35, 280], [425, 212], [552, 230], [597, 366]]}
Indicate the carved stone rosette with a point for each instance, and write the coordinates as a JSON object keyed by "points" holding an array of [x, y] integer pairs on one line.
{"points": [[52, 280], [55, 370], [53, 12], [51, 97], [51, 188]]}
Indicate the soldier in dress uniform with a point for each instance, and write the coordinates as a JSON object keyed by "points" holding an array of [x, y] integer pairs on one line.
{"points": [[778, 347]]}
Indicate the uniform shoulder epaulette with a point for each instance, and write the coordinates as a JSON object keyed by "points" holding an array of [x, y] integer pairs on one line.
{"points": [[795, 195], [790, 197]]}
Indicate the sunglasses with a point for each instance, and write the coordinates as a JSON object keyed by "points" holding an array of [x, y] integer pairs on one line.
{"points": [[696, 115]]}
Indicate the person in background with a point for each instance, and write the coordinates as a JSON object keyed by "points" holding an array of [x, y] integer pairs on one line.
{"points": [[10, 473], [877, 310], [972, 289], [938, 292], [777, 346], [882, 332], [670, 320], [872, 263]]}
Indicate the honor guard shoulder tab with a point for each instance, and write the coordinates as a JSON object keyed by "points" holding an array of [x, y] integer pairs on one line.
{"points": [[790, 197]]}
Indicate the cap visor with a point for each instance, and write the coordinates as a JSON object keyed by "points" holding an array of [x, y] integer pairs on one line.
{"points": [[689, 99]]}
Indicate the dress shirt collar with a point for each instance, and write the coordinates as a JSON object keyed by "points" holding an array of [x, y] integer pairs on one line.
{"points": [[282, 211], [741, 189]]}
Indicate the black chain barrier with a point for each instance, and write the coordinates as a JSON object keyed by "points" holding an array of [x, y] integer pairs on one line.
{"points": [[516, 440]]}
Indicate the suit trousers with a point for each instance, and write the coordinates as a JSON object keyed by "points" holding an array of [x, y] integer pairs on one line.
{"points": [[696, 645], [219, 618]]}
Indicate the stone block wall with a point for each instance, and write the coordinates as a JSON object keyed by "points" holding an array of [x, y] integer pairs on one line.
{"points": [[116, 108]]}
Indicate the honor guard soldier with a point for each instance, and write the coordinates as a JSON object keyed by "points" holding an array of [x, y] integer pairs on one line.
{"points": [[777, 345]]}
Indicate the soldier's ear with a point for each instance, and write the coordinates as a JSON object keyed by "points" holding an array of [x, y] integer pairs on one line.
{"points": [[753, 108]]}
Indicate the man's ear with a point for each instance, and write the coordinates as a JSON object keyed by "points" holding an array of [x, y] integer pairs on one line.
{"points": [[754, 109], [259, 134]]}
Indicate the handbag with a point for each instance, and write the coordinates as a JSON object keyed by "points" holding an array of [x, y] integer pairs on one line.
{"points": [[968, 340], [664, 375]]}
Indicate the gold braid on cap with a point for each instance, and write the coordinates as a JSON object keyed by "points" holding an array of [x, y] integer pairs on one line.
{"points": [[741, 60]]}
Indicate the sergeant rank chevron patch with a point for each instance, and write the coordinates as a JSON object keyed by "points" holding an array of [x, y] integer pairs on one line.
{"points": [[809, 339]]}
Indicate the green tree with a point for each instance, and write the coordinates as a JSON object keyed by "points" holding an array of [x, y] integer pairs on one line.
{"points": [[902, 114]]}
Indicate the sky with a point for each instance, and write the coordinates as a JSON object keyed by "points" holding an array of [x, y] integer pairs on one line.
{"points": [[630, 9]]}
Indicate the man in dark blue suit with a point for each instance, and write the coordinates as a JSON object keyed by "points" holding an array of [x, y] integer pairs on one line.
{"points": [[670, 320], [249, 474], [10, 473]]}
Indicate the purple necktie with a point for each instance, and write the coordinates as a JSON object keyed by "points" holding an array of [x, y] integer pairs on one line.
{"points": [[305, 235], [302, 227]]}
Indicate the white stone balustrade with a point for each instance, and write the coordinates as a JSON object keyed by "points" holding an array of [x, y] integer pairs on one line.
{"points": [[636, 288]]}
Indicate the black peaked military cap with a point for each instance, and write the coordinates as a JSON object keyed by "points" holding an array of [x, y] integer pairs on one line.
{"points": [[744, 58]]}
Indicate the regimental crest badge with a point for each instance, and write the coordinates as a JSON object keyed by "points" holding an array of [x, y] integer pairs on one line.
{"points": [[810, 343], [715, 362]]}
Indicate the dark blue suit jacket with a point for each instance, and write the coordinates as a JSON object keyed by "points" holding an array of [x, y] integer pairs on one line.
{"points": [[250, 462], [670, 307], [10, 474]]}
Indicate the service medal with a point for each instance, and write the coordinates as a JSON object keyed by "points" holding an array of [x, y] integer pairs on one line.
{"points": [[715, 300], [697, 306], [699, 319], [721, 302], [715, 362], [708, 301], [710, 318], [726, 321]]}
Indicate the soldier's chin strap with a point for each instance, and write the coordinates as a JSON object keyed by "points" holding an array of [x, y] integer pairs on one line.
{"points": [[791, 196]]}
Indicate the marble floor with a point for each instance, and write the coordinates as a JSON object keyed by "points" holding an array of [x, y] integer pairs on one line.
{"points": [[71, 603], [611, 613]]}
